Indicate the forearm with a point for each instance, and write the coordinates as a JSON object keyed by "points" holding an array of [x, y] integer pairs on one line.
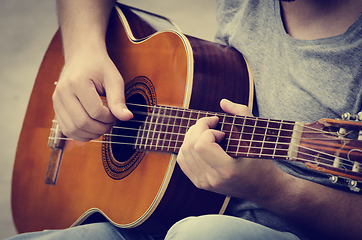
{"points": [[318, 209], [83, 24]]}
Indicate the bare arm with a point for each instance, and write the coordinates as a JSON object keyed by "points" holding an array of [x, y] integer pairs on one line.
{"points": [[330, 213], [88, 72], [83, 23]]}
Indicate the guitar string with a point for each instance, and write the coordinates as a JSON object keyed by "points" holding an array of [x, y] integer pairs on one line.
{"points": [[264, 155], [251, 118], [190, 111], [249, 146], [234, 152], [231, 132], [290, 123], [209, 114], [265, 134], [285, 137]]}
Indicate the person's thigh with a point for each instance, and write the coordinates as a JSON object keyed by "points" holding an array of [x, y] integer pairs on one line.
{"points": [[94, 231], [223, 227]]}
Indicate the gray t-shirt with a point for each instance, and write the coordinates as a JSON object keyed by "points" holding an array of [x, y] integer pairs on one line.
{"points": [[299, 80]]}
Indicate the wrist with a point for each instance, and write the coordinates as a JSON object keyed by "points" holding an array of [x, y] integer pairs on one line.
{"points": [[280, 190], [85, 49]]}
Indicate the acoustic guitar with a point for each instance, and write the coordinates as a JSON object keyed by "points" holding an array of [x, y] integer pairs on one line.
{"points": [[57, 180], [130, 176]]}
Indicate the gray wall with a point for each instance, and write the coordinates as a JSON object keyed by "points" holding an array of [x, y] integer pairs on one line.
{"points": [[26, 27]]}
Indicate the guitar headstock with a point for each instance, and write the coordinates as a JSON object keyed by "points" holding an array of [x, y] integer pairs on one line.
{"points": [[349, 126], [334, 146]]}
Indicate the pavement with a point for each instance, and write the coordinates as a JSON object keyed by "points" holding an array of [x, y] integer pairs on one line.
{"points": [[26, 28]]}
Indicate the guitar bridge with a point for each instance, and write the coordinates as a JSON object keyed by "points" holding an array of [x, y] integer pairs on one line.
{"points": [[56, 142]]}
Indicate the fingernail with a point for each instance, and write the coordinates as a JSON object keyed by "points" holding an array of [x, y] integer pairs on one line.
{"points": [[127, 111], [227, 101]]}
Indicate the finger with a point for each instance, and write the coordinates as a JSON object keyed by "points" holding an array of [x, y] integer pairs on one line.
{"points": [[92, 103], [69, 129], [189, 160], [208, 148], [196, 164], [114, 85], [185, 157], [235, 109], [186, 166], [206, 123], [76, 123], [215, 160]]}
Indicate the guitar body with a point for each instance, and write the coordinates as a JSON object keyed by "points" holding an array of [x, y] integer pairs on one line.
{"points": [[131, 189]]}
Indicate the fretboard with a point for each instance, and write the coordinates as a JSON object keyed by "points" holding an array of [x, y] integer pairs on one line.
{"points": [[165, 127]]}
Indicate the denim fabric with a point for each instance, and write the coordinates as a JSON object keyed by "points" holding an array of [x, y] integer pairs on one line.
{"points": [[210, 227], [95, 231]]}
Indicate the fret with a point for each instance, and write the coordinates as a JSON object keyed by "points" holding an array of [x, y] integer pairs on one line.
{"points": [[201, 114], [150, 132], [141, 134], [257, 137], [271, 139], [160, 129], [179, 131], [165, 128], [175, 130], [239, 147], [251, 140], [221, 124], [192, 117], [264, 138], [164, 132], [155, 132], [160, 136], [284, 138], [231, 134], [171, 127], [260, 128], [276, 127], [246, 137]]}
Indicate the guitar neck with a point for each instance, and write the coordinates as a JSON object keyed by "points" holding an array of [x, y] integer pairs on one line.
{"points": [[318, 145], [165, 127]]}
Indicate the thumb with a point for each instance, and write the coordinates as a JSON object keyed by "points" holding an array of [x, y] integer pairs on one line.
{"points": [[234, 108], [114, 87]]}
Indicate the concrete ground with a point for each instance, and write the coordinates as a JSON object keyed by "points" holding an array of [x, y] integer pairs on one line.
{"points": [[26, 28]]}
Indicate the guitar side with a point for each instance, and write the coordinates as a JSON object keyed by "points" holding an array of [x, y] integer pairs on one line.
{"points": [[185, 77]]}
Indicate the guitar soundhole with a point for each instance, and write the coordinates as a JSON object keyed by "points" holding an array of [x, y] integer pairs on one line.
{"points": [[120, 158], [124, 133]]}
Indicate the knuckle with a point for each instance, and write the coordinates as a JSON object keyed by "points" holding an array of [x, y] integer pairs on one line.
{"points": [[95, 113], [226, 174], [204, 185], [69, 132], [73, 81], [200, 147], [80, 124], [214, 183]]}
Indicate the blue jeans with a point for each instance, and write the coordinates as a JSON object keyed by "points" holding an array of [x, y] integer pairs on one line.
{"points": [[208, 227]]}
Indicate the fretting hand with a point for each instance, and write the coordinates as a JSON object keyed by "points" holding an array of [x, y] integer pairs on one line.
{"points": [[209, 167]]}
